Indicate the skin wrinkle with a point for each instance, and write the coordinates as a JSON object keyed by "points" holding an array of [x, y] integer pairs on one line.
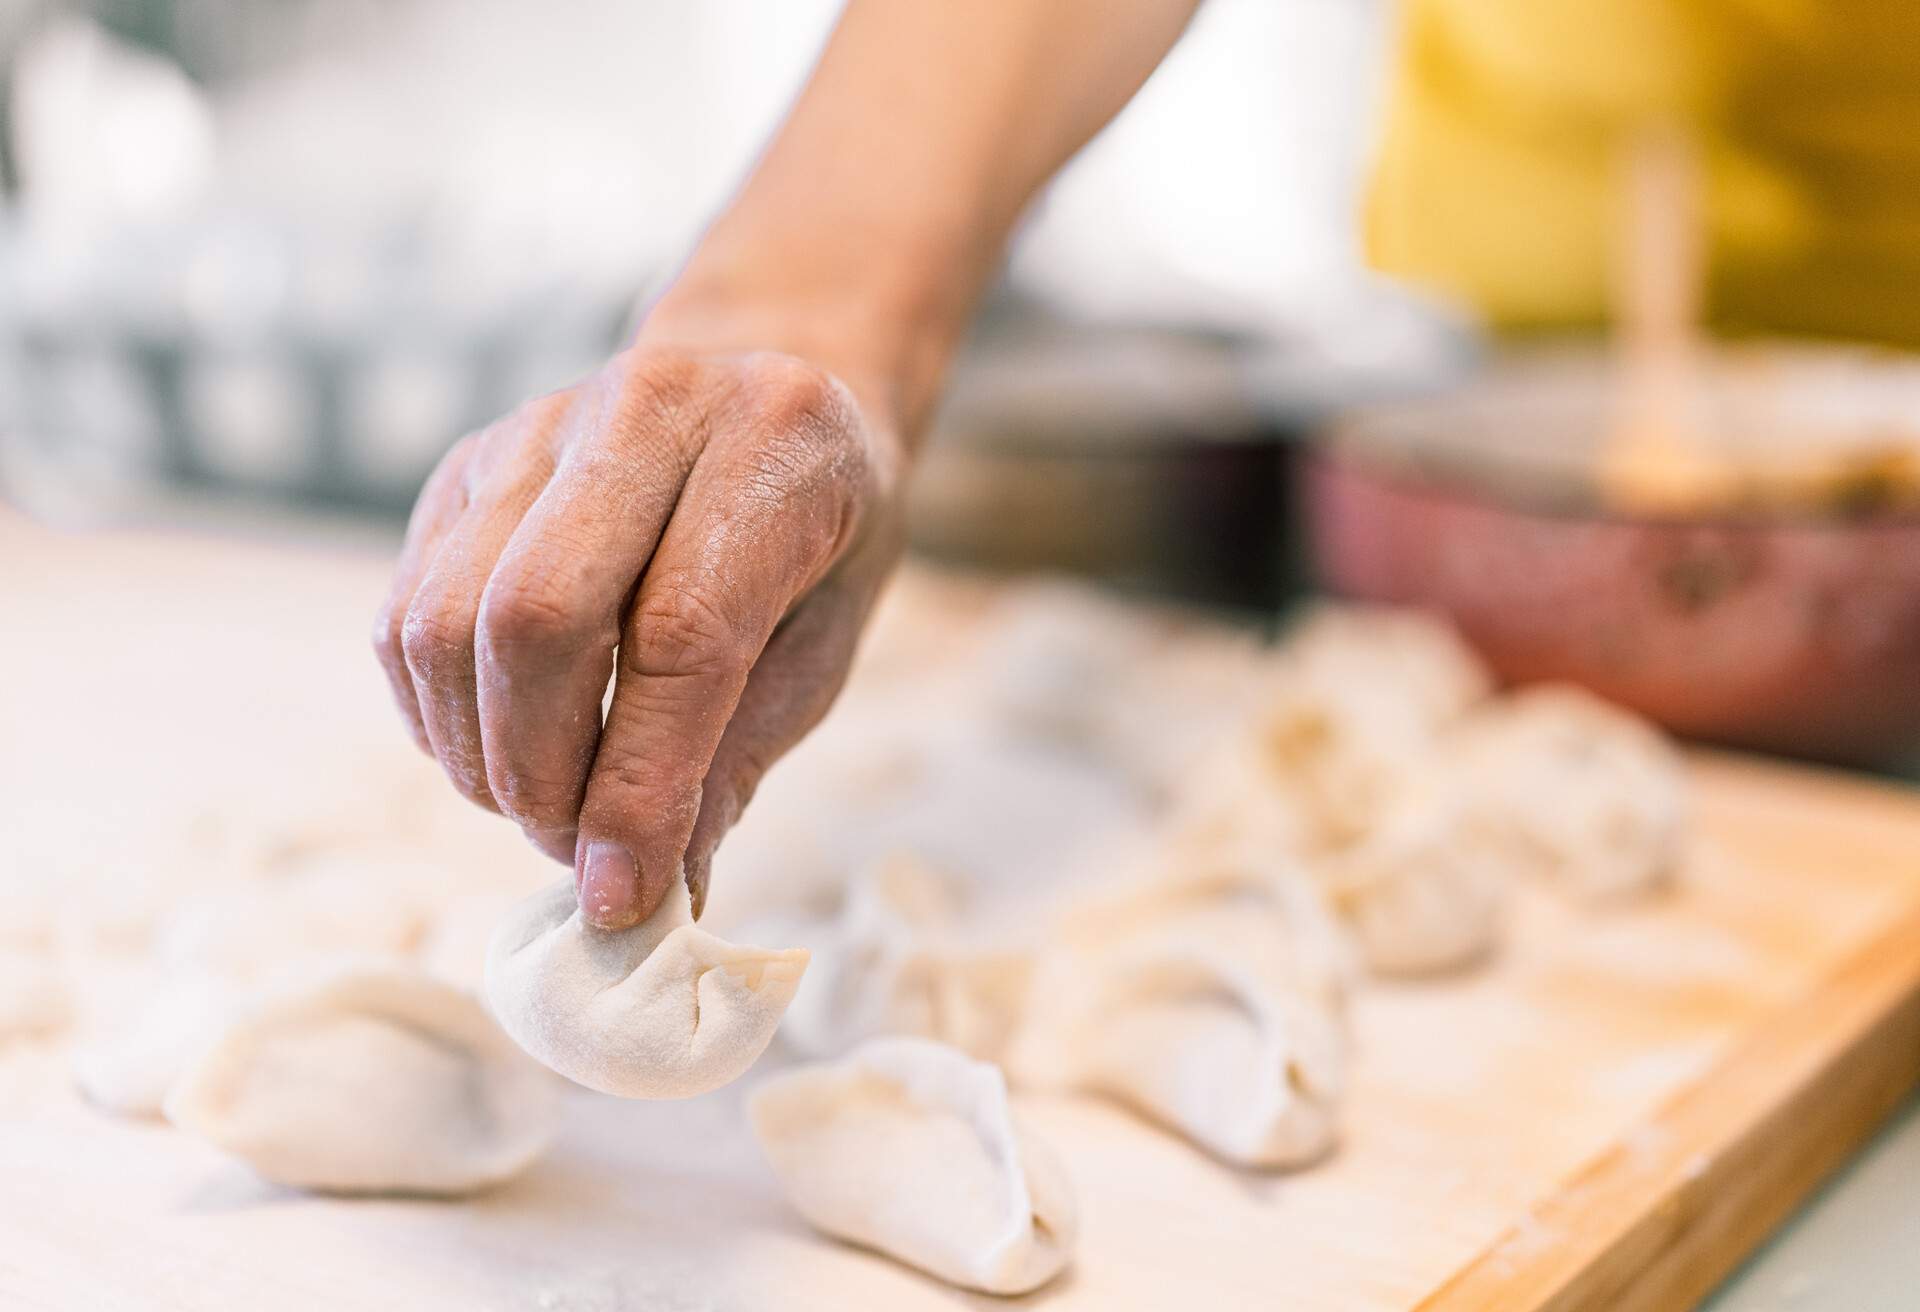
{"points": [[584, 659], [765, 464]]}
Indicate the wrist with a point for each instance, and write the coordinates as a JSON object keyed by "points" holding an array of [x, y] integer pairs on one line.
{"points": [[883, 315]]}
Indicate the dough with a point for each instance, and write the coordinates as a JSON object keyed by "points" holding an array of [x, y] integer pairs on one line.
{"points": [[1247, 898], [1212, 1000], [662, 1010], [130, 1071], [1411, 657], [1357, 703], [1210, 1044], [369, 1080], [1426, 890], [887, 961], [1335, 758], [909, 1147], [1136, 689], [34, 1000], [1578, 791]]}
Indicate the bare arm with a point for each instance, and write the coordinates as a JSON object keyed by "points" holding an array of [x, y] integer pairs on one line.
{"points": [[707, 519]]}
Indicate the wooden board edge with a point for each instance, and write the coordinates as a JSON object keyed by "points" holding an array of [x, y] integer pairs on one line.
{"points": [[1660, 1218]]}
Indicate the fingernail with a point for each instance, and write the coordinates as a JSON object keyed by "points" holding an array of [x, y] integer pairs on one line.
{"points": [[697, 889], [609, 886]]}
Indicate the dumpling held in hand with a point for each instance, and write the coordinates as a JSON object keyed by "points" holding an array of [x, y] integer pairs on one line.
{"points": [[369, 1080], [661, 1010], [908, 1146]]}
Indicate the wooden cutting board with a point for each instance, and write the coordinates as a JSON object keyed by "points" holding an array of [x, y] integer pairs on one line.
{"points": [[1608, 1117]]}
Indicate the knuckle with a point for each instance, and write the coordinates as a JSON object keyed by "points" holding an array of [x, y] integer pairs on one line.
{"points": [[793, 393], [638, 412], [812, 446], [435, 639], [523, 613], [679, 629]]}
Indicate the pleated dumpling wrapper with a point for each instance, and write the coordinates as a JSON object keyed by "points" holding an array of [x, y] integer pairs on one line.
{"points": [[369, 1079], [1212, 1001], [1578, 791], [1427, 890], [662, 1010], [1356, 706], [909, 1147], [888, 960]]}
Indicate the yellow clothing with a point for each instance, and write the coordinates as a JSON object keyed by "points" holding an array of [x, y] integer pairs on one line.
{"points": [[1499, 168]]}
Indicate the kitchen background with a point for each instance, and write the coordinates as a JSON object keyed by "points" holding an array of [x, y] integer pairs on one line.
{"points": [[284, 253]]}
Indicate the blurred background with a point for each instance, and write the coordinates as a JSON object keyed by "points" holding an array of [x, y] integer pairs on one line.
{"points": [[1409, 301], [292, 249]]}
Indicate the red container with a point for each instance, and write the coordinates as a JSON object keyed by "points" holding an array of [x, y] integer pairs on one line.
{"points": [[1794, 634]]}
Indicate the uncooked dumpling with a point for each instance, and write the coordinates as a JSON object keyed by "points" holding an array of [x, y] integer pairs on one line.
{"points": [[217, 949], [1412, 657], [1577, 790], [1211, 999], [1211, 1044], [369, 1080], [909, 1147], [130, 1070], [1425, 890], [1355, 711], [888, 961], [1251, 900], [662, 1010]]}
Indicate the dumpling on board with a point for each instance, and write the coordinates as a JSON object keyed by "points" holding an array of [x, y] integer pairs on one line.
{"points": [[1253, 901], [376, 1079], [889, 960], [909, 1147], [1425, 890], [1218, 1048], [1577, 791], [1211, 1000], [130, 1070], [1412, 657], [661, 1010], [1356, 706], [215, 950]]}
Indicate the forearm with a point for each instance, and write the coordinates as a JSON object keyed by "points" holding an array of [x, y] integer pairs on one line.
{"points": [[864, 237]]}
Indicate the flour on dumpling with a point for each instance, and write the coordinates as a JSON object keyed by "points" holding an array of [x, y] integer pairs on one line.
{"points": [[910, 1147], [890, 959], [661, 1010], [1584, 794], [1211, 999], [129, 1069], [1424, 890], [371, 1079]]}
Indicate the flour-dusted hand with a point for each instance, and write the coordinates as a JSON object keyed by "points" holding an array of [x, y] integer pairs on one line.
{"points": [[708, 531], [706, 520]]}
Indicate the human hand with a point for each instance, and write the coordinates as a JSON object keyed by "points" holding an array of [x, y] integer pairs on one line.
{"points": [[709, 530]]}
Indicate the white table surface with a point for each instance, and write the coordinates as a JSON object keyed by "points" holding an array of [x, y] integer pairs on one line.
{"points": [[1854, 1248]]}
